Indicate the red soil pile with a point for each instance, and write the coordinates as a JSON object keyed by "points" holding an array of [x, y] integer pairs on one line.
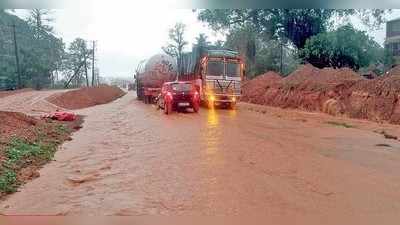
{"points": [[253, 89], [333, 91], [309, 88], [310, 77], [86, 97], [376, 99], [18, 125]]}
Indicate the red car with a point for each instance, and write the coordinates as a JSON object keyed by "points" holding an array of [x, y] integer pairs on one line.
{"points": [[178, 95]]}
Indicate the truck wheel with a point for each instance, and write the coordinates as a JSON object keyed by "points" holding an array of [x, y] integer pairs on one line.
{"points": [[167, 108]]}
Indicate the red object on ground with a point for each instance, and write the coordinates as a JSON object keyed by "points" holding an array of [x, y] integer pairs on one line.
{"points": [[62, 116]]}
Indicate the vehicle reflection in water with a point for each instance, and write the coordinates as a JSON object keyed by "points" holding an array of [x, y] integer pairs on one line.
{"points": [[232, 114], [212, 133]]}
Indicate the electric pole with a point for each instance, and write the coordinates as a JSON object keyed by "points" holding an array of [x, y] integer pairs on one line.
{"points": [[281, 66], [16, 57], [94, 47]]}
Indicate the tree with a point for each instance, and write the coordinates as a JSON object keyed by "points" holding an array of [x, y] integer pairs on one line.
{"points": [[243, 39], [295, 25], [261, 55], [177, 43], [344, 47], [45, 54], [201, 40], [41, 20], [219, 43], [77, 61]]}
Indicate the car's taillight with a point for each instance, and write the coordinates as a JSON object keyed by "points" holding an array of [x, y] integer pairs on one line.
{"points": [[196, 95]]}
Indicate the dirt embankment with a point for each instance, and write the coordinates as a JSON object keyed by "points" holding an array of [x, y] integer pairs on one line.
{"points": [[27, 143], [86, 97], [333, 91], [8, 93]]}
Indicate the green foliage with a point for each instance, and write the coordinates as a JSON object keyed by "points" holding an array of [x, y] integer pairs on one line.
{"points": [[17, 154], [388, 59], [177, 43], [39, 50], [268, 58], [8, 181], [261, 55], [295, 25], [76, 62], [219, 44], [345, 47], [201, 41]]}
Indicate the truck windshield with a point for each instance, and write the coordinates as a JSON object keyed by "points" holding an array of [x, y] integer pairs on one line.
{"points": [[182, 87], [215, 68], [232, 69]]}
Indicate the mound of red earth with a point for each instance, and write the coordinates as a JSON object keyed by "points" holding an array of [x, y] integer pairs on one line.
{"points": [[333, 91], [86, 97], [376, 99], [18, 125], [253, 89]]}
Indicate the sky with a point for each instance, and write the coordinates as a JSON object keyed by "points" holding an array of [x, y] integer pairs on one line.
{"points": [[125, 36], [130, 33]]}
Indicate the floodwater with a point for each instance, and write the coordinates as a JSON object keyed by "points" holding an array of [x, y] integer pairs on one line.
{"points": [[131, 159]]}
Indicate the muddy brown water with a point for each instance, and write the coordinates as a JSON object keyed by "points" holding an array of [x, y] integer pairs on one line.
{"points": [[130, 159]]}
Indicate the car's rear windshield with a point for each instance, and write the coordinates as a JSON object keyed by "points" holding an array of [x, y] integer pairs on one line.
{"points": [[182, 87]]}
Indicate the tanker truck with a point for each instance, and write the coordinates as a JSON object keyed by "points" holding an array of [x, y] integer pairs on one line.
{"points": [[152, 74], [217, 72]]}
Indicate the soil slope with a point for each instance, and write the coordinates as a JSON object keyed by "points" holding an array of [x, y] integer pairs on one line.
{"points": [[86, 97]]}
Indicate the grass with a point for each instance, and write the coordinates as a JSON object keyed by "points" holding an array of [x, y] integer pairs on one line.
{"points": [[20, 153], [340, 124], [8, 181]]}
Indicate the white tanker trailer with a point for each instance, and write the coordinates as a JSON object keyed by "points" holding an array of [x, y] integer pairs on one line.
{"points": [[151, 74]]}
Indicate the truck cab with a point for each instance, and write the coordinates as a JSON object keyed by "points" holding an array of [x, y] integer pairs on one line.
{"points": [[221, 76]]}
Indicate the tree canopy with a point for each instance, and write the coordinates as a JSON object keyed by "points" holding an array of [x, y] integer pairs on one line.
{"points": [[201, 40], [344, 47], [296, 25]]}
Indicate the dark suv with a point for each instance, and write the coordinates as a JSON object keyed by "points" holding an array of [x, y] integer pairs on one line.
{"points": [[178, 95]]}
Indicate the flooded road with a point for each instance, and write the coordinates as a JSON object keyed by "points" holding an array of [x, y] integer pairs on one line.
{"points": [[130, 159]]}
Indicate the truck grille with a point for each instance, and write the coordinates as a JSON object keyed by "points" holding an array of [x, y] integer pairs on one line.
{"points": [[224, 86]]}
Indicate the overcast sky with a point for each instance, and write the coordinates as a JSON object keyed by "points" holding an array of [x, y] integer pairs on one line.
{"points": [[129, 34]]}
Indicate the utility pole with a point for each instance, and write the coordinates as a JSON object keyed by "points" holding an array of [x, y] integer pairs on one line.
{"points": [[94, 46], [17, 57], [281, 67]]}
